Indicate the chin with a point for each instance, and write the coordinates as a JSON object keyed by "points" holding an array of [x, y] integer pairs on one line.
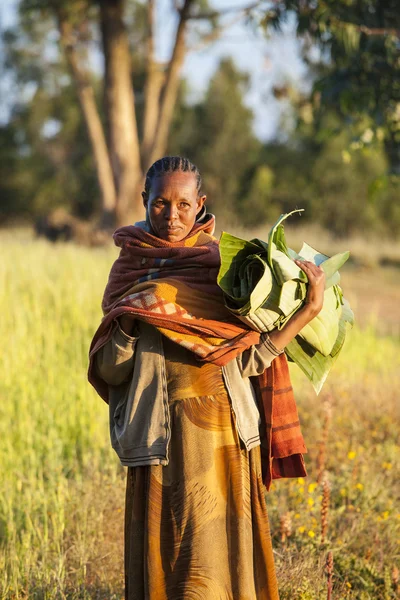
{"points": [[175, 237]]}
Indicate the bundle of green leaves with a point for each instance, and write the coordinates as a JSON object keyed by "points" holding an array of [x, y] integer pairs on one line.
{"points": [[264, 287]]}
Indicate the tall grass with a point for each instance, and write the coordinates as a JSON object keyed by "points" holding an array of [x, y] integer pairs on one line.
{"points": [[61, 486], [58, 475]]}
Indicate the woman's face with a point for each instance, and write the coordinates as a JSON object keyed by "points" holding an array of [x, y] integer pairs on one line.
{"points": [[173, 204]]}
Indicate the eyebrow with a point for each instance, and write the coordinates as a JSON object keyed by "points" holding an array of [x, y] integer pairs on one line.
{"points": [[167, 199]]}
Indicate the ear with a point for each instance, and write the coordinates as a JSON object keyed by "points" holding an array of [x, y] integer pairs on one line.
{"points": [[145, 199], [200, 203]]}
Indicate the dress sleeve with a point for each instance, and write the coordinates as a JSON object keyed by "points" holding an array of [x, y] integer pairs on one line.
{"points": [[256, 359], [114, 361]]}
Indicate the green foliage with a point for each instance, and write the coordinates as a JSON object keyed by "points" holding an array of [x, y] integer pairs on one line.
{"points": [[258, 205], [348, 126], [358, 72], [217, 134], [49, 161], [339, 163], [342, 181]]}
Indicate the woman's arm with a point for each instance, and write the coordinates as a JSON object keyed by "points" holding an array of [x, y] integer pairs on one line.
{"points": [[313, 305], [114, 361], [255, 360]]}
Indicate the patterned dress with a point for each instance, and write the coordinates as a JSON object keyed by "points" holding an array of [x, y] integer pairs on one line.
{"points": [[197, 529]]}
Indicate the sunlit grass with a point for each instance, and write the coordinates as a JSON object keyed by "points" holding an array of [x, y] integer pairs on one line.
{"points": [[58, 474], [61, 486]]}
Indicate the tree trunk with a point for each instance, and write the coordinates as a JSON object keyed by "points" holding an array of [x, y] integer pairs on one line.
{"points": [[170, 91], [154, 81], [93, 123], [120, 109]]}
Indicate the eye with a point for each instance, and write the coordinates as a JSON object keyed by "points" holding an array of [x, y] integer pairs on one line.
{"points": [[184, 204]]}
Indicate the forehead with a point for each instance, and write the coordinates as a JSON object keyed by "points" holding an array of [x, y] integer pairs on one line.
{"points": [[175, 184]]}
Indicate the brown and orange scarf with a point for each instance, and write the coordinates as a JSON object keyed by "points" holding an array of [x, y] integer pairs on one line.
{"points": [[172, 286]]}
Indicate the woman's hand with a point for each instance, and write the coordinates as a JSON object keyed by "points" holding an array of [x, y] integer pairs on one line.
{"points": [[313, 304], [316, 286]]}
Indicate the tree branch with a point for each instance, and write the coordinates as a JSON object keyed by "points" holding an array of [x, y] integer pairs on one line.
{"points": [[214, 35], [378, 31], [219, 13], [371, 31]]}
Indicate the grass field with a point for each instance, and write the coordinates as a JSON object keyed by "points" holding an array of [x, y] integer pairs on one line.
{"points": [[61, 486]]}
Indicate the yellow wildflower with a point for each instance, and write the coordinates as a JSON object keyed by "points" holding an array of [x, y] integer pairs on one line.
{"points": [[346, 156], [301, 529], [312, 487], [311, 533], [351, 455], [359, 486]]}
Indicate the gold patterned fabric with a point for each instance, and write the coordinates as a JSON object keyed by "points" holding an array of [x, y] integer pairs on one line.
{"points": [[197, 529]]}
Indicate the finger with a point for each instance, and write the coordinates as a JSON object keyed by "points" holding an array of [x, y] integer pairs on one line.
{"points": [[316, 271], [313, 273], [304, 264], [307, 272], [310, 266]]}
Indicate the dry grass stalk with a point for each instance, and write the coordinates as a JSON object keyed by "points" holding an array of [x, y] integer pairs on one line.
{"points": [[326, 492], [285, 526], [395, 579], [321, 458], [329, 574]]}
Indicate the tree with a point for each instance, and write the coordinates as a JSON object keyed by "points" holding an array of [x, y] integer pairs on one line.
{"points": [[218, 134], [257, 207], [124, 148], [46, 158], [358, 71]]}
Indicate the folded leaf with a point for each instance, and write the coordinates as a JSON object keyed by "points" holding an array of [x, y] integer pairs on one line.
{"points": [[315, 365], [264, 287]]}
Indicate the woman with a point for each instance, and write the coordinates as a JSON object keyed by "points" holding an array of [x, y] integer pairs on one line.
{"points": [[174, 367]]}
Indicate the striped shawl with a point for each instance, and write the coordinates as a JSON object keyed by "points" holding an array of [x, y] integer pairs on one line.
{"points": [[172, 286]]}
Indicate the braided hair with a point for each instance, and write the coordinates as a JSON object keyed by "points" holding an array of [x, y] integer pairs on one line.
{"points": [[171, 164]]}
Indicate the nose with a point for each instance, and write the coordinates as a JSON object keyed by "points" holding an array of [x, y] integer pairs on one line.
{"points": [[170, 212]]}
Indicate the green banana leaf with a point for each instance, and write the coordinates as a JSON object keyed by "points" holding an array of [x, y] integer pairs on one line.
{"points": [[315, 365], [264, 287]]}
